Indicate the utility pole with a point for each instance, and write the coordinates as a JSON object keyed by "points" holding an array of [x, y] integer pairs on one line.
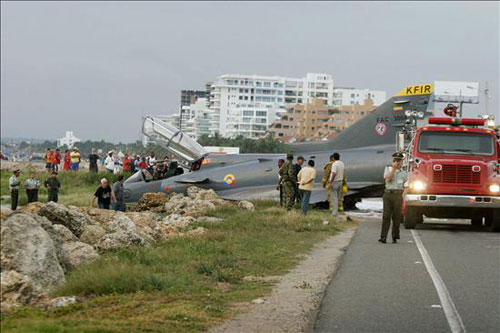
{"points": [[486, 97]]}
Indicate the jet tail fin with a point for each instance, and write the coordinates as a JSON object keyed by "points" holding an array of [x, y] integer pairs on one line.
{"points": [[380, 126]]}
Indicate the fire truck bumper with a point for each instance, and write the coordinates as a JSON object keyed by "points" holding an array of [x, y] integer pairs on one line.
{"points": [[443, 200]]}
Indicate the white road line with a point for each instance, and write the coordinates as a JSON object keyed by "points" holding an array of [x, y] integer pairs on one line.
{"points": [[449, 308]]}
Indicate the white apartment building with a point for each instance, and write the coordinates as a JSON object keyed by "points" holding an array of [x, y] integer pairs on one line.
{"points": [[247, 104], [68, 140], [195, 118], [351, 96]]}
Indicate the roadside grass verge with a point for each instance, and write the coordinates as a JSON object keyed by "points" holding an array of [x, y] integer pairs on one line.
{"points": [[183, 284]]}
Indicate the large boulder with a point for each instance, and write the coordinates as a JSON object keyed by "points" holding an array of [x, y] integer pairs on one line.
{"points": [[196, 193], [180, 204], [5, 212], [16, 289], [32, 208], [149, 201], [92, 234], [177, 220], [28, 249], [71, 218], [119, 239], [246, 205], [76, 253]]}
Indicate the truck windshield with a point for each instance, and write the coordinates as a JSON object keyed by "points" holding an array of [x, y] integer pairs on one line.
{"points": [[456, 143]]}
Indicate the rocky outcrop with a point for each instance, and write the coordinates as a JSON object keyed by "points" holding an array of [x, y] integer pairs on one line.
{"points": [[119, 239], [149, 201], [16, 289], [92, 234], [71, 218], [178, 221], [180, 204], [76, 253], [5, 212], [40, 242], [31, 208], [28, 249]]}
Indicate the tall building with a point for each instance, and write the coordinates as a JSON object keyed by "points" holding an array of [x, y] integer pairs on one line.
{"points": [[317, 121], [196, 119], [68, 140], [247, 104], [351, 96], [189, 97]]}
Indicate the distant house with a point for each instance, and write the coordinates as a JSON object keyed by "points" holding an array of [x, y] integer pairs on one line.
{"points": [[68, 140]]}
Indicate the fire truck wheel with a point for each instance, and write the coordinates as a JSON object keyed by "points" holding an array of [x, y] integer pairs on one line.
{"points": [[477, 221], [412, 216]]}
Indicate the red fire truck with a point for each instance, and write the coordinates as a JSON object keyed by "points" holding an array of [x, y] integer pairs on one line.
{"points": [[453, 172]]}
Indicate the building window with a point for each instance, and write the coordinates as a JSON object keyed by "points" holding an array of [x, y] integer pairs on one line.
{"points": [[261, 113]]}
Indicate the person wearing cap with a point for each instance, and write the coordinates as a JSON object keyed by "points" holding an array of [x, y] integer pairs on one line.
{"points": [[395, 179], [53, 185], [32, 185], [103, 194], [109, 162], [288, 181], [14, 189]]}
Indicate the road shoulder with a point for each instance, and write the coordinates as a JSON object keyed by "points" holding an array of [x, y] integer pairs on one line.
{"points": [[296, 299]]}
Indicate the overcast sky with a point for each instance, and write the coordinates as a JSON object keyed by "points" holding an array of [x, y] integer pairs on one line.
{"points": [[95, 68]]}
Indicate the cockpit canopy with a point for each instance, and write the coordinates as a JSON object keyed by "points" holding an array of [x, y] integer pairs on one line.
{"points": [[186, 150]]}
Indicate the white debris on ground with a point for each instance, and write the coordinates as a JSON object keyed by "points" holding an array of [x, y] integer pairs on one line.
{"points": [[41, 242]]}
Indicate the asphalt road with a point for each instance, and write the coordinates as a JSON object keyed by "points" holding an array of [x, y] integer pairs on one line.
{"points": [[388, 287]]}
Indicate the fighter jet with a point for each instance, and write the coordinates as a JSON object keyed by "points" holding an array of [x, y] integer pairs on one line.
{"points": [[366, 148]]}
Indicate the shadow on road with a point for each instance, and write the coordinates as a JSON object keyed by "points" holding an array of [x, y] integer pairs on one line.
{"points": [[451, 227]]}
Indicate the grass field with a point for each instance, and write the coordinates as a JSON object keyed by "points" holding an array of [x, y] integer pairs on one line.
{"points": [[185, 284], [77, 188], [181, 285]]}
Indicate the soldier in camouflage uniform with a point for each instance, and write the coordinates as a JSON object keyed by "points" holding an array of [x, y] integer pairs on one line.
{"points": [[288, 181]]}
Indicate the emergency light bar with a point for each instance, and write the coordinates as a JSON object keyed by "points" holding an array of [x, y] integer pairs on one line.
{"points": [[456, 121]]}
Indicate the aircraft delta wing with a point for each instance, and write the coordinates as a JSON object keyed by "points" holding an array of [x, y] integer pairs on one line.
{"points": [[366, 147]]}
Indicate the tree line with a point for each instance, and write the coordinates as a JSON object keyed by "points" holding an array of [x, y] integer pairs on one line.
{"points": [[263, 145]]}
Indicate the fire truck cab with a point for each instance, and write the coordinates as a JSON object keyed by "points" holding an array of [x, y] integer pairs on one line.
{"points": [[453, 172]]}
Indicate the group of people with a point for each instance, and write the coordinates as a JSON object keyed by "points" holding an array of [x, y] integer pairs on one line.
{"points": [[296, 182], [32, 185], [71, 160], [104, 194]]}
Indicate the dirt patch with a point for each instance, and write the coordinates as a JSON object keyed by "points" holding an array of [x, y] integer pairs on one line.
{"points": [[294, 302]]}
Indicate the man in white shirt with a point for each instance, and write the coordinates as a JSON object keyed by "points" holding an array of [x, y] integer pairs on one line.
{"points": [[109, 162], [335, 183]]}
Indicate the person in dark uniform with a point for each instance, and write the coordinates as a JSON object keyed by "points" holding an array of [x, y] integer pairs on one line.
{"points": [[14, 189], [288, 181], [53, 185], [279, 187], [93, 162], [297, 166], [395, 179]]}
